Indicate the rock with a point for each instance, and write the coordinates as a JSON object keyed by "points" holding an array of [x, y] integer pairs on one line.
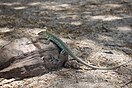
{"points": [[22, 58]]}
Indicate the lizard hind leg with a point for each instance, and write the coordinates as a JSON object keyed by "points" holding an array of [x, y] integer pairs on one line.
{"points": [[55, 59], [73, 64]]}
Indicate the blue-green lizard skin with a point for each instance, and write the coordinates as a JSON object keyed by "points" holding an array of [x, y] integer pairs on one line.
{"points": [[64, 47]]}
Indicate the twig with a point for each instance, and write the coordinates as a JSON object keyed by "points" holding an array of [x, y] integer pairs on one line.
{"points": [[126, 83], [5, 45]]}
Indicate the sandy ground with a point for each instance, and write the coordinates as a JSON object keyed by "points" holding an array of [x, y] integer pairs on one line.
{"points": [[98, 31]]}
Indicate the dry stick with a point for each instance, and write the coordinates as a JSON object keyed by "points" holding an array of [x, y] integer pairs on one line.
{"points": [[5, 44], [126, 83]]}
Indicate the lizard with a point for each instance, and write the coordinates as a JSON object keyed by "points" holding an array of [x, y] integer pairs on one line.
{"points": [[50, 37]]}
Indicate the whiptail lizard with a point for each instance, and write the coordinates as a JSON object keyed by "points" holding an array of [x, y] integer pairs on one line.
{"points": [[64, 47]]}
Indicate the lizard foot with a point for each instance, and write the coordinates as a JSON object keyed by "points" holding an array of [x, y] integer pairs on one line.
{"points": [[72, 64]]}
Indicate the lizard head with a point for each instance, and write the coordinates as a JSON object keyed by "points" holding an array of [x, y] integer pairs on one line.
{"points": [[43, 34]]}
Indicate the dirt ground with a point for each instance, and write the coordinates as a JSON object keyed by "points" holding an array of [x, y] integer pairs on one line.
{"points": [[97, 31]]}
